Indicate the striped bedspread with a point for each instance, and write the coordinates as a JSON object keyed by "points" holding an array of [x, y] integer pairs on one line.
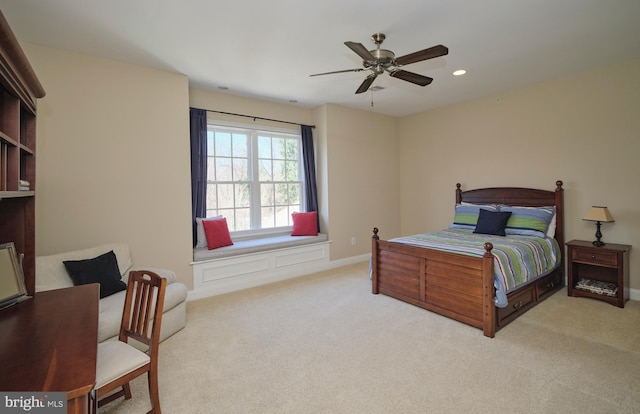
{"points": [[518, 259]]}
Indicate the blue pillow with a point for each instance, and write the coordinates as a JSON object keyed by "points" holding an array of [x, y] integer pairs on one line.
{"points": [[492, 222], [528, 221], [466, 215]]}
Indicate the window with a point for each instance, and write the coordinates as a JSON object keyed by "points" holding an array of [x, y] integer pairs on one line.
{"points": [[254, 177]]}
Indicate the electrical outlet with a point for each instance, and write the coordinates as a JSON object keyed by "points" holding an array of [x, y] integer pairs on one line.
{"points": [[353, 241]]}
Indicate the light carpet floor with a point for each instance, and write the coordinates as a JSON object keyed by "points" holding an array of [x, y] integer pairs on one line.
{"points": [[324, 344]]}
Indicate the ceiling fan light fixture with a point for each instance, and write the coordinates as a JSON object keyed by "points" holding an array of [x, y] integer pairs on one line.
{"points": [[376, 88], [459, 72], [379, 61]]}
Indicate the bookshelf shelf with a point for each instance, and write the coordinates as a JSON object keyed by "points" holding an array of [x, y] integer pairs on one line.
{"points": [[19, 90]]}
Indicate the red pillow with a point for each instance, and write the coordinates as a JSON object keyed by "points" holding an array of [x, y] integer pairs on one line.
{"points": [[217, 233], [305, 224]]}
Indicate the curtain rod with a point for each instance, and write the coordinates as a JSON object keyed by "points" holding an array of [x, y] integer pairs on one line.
{"points": [[255, 117]]}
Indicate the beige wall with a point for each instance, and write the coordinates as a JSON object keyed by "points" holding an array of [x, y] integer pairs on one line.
{"points": [[583, 129], [112, 159], [362, 172]]}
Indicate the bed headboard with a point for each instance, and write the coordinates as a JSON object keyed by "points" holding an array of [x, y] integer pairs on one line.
{"points": [[515, 196]]}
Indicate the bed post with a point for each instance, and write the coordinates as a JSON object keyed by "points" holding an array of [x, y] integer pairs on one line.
{"points": [[374, 261], [560, 214], [488, 293], [458, 194]]}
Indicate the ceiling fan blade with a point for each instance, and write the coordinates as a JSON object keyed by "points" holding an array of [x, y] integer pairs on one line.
{"points": [[430, 53], [367, 82], [411, 77], [339, 71], [360, 50]]}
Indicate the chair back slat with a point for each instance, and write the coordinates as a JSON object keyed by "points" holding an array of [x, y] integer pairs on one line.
{"points": [[141, 311], [142, 315]]}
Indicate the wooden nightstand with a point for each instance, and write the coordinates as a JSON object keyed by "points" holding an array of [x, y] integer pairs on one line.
{"points": [[598, 272]]}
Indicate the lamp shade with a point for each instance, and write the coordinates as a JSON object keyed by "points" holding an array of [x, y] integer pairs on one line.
{"points": [[598, 213]]}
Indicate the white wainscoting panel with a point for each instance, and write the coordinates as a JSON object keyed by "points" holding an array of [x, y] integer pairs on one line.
{"points": [[218, 276]]}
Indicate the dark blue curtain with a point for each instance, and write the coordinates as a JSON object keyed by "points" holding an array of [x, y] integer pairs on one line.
{"points": [[198, 131], [309, 160]]}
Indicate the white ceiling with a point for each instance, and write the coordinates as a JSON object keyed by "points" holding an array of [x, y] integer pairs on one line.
{"points": [[268, 49]]}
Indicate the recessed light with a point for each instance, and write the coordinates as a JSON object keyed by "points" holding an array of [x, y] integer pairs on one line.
{"points": [[459, 72]]}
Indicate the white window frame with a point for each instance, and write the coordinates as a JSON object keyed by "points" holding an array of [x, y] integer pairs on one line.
{"points": [[254, 131]]}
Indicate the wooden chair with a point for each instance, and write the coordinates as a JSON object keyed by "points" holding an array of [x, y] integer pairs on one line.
{"points": [[119, 361]]}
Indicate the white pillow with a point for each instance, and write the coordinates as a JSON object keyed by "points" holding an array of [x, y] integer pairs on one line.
{"points": [[201, 238], [551, 230]]}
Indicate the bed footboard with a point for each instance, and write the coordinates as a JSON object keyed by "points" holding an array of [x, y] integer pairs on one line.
{"points": [[453, 285]]}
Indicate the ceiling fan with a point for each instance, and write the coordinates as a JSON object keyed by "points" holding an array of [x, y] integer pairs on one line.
{"points": [[382, 60]]}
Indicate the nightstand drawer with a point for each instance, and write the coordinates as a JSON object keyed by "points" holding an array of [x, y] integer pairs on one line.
{"points": [[591, 256]]}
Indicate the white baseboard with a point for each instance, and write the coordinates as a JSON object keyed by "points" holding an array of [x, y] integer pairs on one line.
{"points": [[217, 277]]}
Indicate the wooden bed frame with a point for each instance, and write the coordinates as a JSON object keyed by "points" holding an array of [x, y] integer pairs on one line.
{"points": [[460, 286]]}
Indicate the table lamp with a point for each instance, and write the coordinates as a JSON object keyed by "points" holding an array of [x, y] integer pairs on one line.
{"points": [[600, 215]]}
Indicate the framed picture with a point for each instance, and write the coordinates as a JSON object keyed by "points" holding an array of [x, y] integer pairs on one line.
{"points": [[12, 287]]}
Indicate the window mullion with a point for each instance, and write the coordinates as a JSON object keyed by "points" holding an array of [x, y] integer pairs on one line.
{"points": [[256, 221]]}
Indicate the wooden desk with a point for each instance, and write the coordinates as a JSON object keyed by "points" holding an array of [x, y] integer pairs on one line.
{"points": [[50, 342]]}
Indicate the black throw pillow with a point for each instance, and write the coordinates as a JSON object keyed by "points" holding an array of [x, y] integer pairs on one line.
{"points": [[102, 269], [492, 222]]}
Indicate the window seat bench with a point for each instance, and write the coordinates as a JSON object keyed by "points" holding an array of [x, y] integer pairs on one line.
{"points": [[256, 245], [253, 262]]}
